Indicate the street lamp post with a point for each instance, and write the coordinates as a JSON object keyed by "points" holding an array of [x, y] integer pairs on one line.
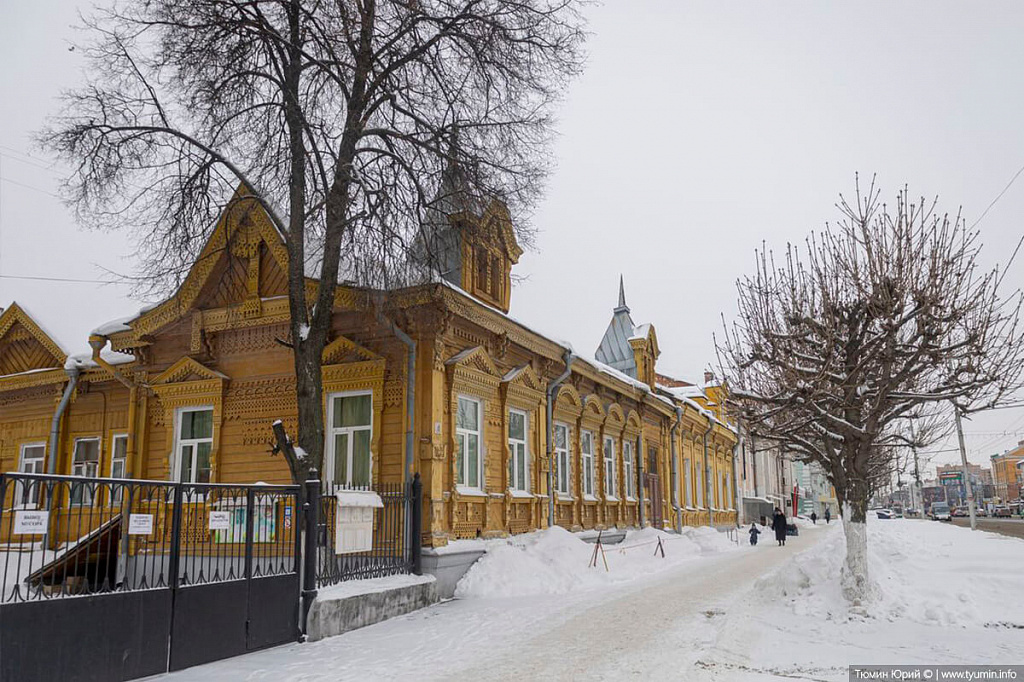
{"points": [[967, 478]]}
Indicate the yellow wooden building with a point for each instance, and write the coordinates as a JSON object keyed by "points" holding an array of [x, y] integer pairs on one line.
{"points": [[510, 429]]}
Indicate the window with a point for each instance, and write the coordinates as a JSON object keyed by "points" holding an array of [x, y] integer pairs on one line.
{"points": [[482, 279], [33, 459], [709, 480], [86, 462], [725, 492], [193, 446], [562, 458], [118, 465], [467, 440], [627, 460], [700, 491], [518, 462], [350, 430], [610, 488], [687, 493], [587, 446]]}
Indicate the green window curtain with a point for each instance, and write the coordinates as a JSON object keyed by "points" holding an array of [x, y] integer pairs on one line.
{"points": [[473, 454], [197, 424], [203, 463], [341, 458], [352, 410], [521, 464], [460, 458], [361, 457], [185, 457]]}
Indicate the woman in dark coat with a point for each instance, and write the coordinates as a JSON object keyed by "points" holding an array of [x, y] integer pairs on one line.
{"points": [[779, 526]]}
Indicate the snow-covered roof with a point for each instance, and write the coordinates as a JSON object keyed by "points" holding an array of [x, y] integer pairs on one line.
{"points": [[114, 326], [85, 361]]}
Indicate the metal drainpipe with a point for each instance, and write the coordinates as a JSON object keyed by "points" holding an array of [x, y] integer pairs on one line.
{"points": [[552, 387], [72, 373], [640, 469], [675, 475], [707, 479]]}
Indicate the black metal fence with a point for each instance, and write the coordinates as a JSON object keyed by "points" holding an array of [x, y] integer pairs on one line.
{"points": [[63, 536], [389, 543]]}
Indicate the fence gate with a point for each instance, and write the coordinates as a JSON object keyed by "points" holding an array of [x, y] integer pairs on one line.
{"points": [[107, 579]]}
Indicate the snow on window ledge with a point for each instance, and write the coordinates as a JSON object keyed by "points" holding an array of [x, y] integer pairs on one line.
{"points": [[610, 498], [630, 499], [520, 493], [689, 508], [562, 497], [589, 498], [468, 491]]}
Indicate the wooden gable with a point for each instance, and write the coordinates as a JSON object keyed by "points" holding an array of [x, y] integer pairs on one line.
{"points": [[187, 370], [243, 263], [24, 346]]}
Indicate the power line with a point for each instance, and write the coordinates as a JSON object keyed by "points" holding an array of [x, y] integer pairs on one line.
{"points": [[43, 279], [38, 189], [17, 156], [998, 197]]}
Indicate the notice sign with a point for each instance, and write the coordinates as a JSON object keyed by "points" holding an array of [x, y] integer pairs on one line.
{"points": [[220, 520], [31, 522], [140, 524]]}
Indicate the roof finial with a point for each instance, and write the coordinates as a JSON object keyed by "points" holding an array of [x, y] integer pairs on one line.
{"points": [[622, 297]]}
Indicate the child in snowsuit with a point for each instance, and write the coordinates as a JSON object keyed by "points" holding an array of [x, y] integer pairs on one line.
{"points": [[754, 532]]}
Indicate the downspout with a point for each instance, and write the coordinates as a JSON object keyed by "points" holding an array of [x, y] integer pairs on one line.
{"points": [[640, 468], [675, 475], [568, 357], [707, 479], [72, 372]]}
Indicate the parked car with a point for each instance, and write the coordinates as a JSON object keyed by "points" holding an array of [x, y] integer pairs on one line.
{"points": [[1001, 511], [959, 512], [939, 511], [884, 513]]}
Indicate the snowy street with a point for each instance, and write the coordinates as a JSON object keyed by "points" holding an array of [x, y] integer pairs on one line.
{"points": [[725, 613]]}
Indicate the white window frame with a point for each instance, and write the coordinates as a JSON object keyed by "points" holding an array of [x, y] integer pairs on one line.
{"points": [[461, 447], [179, 442], [88, 494], [563, 463], [333, 431], [610, 489], [28, 487], [587, 464], [513, 445], [116, 493], [630, 474]]}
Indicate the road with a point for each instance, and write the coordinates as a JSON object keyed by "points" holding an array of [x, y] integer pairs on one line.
{"points": [[1012, 527], [653, 628], [653, 633]]}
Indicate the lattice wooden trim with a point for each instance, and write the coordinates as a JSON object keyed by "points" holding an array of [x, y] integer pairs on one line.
{"points": [[15, 315]]}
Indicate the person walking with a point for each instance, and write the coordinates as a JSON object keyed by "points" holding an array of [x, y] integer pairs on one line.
{"points": [[754, 532], [828, 515], [779, 526], [814, 518]]}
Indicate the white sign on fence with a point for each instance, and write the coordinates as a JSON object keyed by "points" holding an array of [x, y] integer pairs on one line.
{"points": [[140, 524], [31, 522], [220, 520]]}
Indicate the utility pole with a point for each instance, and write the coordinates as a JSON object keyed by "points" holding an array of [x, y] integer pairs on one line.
{"points": [[967, 478], [915, 490]]}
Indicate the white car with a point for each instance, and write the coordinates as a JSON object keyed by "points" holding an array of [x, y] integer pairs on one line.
{"points": [[885, 513]]}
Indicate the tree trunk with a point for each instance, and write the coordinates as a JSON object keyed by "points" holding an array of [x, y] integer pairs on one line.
{"points": [[308, 390], [855, 581]]}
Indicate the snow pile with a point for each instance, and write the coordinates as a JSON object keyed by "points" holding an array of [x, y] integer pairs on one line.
{"points": [[922, 572], [555, 561]]}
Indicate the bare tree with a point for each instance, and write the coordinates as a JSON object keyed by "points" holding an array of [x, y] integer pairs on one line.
{"points": [[340, 118], [885, 316]]}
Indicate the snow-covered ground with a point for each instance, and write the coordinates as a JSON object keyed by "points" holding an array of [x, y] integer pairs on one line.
{"points": [[709, 610]]}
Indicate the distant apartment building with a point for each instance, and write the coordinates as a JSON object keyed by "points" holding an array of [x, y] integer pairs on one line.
{"points": [[1006, 473]]}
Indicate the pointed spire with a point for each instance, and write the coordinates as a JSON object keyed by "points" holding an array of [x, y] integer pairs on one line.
{"points": [[622, 297]]}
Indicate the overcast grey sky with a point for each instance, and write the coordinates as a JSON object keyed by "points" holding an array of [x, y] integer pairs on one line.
{"points": [[699, 130]]}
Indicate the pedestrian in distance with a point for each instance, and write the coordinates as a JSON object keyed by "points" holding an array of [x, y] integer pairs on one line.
{"points": [[754, 532], [814, 518], [779, 526], [828, 515]]}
